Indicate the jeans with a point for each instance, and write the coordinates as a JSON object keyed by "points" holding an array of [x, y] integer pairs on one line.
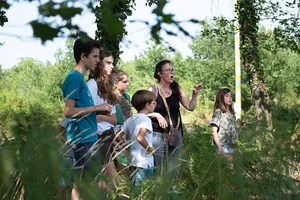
{"points": [[166, 154], [143, 174]]}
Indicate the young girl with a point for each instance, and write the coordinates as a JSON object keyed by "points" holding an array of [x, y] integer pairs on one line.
{"points": [[123, 108], [224, 131], [123, 112], [102, 92]]}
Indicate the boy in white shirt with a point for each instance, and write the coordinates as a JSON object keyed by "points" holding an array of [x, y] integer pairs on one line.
{"points": [[139, 129]]}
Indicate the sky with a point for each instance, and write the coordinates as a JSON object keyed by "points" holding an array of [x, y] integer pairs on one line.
{"points": [[19, 42]]}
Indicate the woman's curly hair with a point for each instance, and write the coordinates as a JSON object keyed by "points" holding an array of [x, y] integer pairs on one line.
{"points": [[106, 87]]}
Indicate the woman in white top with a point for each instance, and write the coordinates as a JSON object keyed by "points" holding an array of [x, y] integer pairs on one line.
{"points": [[102, 91]]}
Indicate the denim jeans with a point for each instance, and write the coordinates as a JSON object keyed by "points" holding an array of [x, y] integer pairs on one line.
{"points": [[143, 174], [166, 154]]}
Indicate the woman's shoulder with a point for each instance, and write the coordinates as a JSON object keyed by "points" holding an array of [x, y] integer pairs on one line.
{"points": [[91, 82], [126, 95]]}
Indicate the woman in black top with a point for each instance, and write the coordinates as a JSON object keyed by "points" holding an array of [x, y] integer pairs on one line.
{"points": [[174, 95]]}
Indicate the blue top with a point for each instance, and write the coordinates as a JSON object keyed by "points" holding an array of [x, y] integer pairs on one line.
{"points": [[81, 129]]}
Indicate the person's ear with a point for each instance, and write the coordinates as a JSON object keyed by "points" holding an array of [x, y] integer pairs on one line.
{"points": [[147, 105], [82, 56]]}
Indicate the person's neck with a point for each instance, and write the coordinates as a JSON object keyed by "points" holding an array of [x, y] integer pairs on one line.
{"points": [[227, 108], [144, 111], [81, 69], [164, 84]]}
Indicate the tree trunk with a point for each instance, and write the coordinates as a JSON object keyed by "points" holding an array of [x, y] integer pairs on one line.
{"points": [[248, 20]]}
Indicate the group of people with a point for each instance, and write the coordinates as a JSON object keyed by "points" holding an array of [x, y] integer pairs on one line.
{"points": [[98, 125]]}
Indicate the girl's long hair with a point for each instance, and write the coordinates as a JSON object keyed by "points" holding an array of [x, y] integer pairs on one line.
{"points": [[116, 76], [158, 68], [106, 87], [220, 104]]}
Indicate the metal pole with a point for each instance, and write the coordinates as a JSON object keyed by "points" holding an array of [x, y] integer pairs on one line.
{"points": [[238, 96]]}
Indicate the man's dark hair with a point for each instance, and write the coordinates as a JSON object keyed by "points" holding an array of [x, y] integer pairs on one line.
{"points": [[141, 98], [84, 47]]}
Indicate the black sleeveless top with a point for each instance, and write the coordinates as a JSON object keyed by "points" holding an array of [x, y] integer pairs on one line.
{"points": [[174, 105]]}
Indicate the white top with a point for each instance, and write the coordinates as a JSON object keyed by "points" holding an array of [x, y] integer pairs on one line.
{"points": [[140, 158], [102, 126]]}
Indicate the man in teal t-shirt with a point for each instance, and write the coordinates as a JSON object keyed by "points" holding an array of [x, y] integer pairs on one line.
{"points": [[83, 129], [80, 109]]}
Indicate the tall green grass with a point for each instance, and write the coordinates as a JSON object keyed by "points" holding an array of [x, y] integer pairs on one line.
{"points": [[264, 167]]}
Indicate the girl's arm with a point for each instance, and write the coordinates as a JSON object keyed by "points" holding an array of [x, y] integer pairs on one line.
{"points": [[186, 102], [141, 139], [214, 131]]}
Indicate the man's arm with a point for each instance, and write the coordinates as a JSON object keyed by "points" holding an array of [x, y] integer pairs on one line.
{"points": [[72, 111]]}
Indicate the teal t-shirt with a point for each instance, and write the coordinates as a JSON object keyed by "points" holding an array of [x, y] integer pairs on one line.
{"points": [[123, 109], [81, 129]]}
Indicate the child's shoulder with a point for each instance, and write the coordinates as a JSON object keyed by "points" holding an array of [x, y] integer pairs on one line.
{"points": [[218, 111]]}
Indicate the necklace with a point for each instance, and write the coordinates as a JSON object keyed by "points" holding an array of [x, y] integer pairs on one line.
{"points": [[167, 92]]}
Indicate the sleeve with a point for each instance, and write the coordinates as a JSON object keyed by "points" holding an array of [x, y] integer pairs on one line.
{"points": [[71, 89], [125, 127], [127, 96], [146, 123], [216, 118], [92, 85], [64, 122], [119, 114]]}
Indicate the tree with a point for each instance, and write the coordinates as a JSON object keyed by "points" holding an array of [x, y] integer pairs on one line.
{"points": [[47, 26], [248, 18]]}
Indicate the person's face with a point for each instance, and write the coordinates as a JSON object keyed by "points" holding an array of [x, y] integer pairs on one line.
{"points": [[91, 60], [108, 64], [122, 86], [228, 99], [167, 73], [151, 106]]}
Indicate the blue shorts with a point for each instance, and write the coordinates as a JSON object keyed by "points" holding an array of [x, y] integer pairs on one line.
{"points": [[87, 159], [226, 148]]}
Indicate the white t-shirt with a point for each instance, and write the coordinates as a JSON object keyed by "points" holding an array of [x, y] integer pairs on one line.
{"points": [[140, 158], [102, 126]]}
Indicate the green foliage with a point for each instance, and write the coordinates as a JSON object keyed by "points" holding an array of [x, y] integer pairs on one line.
{"points": [[265, 164], [146, 62], [213, 55], [30, 159], [110, 19]]}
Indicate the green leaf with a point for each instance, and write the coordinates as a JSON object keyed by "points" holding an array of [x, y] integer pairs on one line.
{"points": [[44, 31]]}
